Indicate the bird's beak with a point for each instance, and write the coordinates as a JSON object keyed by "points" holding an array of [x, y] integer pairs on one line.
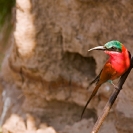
{"points": [[97, 48]]}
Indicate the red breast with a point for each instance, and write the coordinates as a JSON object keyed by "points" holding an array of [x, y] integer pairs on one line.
{"points": [[119, 61]]}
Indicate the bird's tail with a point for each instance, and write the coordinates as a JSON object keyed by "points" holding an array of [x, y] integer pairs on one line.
{"points": [[92, 95]]}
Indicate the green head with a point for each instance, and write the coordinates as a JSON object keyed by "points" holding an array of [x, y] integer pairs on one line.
{"points": [[114, 46]]}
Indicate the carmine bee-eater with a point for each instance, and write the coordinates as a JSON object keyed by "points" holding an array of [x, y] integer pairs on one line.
{"points": [[116, 65]]}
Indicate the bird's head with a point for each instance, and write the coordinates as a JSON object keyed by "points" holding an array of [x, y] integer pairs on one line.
{"points": [[112, 47]]}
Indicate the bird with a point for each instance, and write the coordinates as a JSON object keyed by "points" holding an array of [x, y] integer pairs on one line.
{"points": [[116, 65]]}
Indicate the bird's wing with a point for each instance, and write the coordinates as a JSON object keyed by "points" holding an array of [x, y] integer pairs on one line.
{"points": [[107, 73], [96, 79], [104, 76]]}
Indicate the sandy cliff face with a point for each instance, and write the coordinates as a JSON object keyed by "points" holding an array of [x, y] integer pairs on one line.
{"points": [[47, 70]]}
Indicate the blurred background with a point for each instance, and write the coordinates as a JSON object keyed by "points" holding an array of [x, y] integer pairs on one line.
{"points": [[45, 66]]}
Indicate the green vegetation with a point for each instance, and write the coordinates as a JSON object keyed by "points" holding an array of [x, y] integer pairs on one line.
{"points": [[5, 26], [5, 10]]}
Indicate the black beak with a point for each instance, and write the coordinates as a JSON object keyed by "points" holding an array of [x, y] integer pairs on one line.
{"points": [[97, 48]]}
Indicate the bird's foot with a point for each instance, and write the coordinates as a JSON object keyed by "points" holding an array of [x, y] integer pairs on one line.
{"points": [[116, 87]]}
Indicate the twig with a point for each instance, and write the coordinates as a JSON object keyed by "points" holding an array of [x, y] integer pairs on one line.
{"points": [[111, 100]]}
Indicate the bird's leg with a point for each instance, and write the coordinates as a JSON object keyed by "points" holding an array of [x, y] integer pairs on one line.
{"points": [[111, 82]]}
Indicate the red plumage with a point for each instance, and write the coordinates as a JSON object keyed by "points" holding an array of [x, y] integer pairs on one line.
{"points": [[116, 66]]}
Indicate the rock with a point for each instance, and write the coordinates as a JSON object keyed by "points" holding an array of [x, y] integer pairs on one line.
{"points": [[14, 124], [82, 126], [47, 130], [30, 123], [125, 102], [109, 127]]}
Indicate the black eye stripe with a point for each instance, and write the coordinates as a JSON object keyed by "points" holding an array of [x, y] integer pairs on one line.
{"points": [[114, 49]]}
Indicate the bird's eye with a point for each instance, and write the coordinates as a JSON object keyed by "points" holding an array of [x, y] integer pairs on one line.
{"points": [[113, 47]]}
